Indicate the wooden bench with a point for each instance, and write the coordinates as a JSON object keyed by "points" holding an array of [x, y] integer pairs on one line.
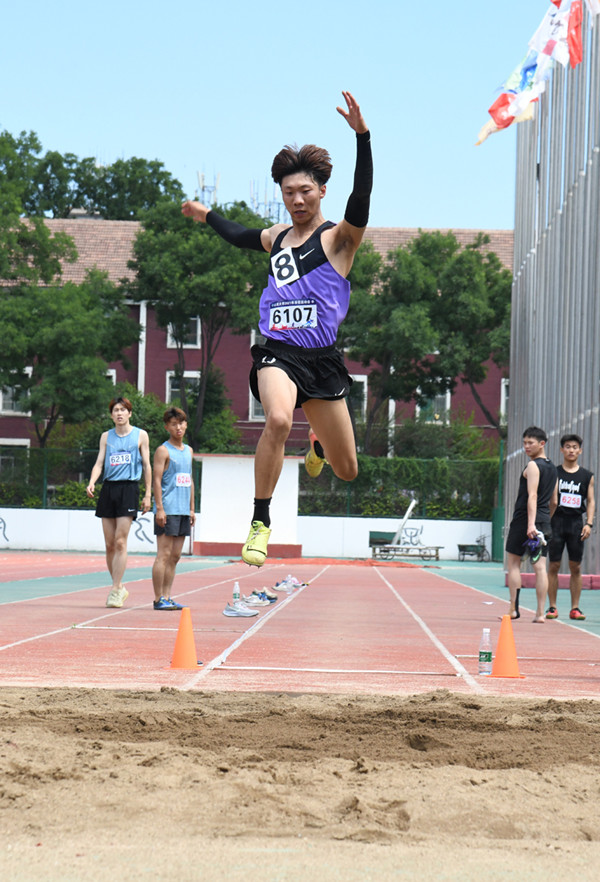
{"points": [[383, 549]]}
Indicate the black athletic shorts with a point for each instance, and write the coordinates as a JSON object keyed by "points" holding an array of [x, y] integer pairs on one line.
{"points": [[317, 373], [517, 536], [177, 525], [566, 531], [118, 499]]}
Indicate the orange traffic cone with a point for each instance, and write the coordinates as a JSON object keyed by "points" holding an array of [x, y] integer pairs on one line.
{"points": [[184, 654], [505, 661]]}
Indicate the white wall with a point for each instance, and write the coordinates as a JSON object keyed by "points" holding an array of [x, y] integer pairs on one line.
{"points": [[66, 530], [62, 530], [227, 499], [349, 537]]}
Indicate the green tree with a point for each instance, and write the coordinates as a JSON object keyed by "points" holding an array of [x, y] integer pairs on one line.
{"points": [[148, 411], [472, 317], [437, 313], [18, 161], [185, 270], [28, 252], [57, 342], [126, 188], [56, 185], [218, 433], [389, 329]]}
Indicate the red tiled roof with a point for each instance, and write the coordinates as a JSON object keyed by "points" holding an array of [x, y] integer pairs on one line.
{"points": [[105, 244], [108, 244], [387, 239]]}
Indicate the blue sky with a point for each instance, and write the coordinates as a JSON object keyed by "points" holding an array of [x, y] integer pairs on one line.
{"points": [[219, 88]]}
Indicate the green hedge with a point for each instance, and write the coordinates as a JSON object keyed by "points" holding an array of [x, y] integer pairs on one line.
{"points": [[56, 478], [385, 487]]}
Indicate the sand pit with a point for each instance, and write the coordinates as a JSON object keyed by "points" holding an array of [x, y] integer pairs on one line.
{"points": [[172, 785]]}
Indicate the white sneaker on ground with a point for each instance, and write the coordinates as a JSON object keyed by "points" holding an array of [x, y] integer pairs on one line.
{"points": [[239, 609], [117, 598]]}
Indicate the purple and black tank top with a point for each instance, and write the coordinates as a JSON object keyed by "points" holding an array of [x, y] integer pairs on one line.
{"points": [[306, 299]]}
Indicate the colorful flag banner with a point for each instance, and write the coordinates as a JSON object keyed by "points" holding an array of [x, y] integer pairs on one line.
{"points": [[557, 40]]}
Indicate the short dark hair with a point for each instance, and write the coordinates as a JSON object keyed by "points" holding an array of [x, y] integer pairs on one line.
{"points": [[175, 413], [313, 161], [566, 438], [120, 400], [535, 432]]}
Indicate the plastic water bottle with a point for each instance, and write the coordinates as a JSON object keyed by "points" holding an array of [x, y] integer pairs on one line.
{"points": [[236, 592], [485, 653]]}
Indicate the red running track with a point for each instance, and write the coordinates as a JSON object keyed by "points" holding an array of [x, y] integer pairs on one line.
{"points": [[353, 629]]}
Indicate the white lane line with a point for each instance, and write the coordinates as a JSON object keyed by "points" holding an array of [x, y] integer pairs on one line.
{"points": [[451, 659], [220, 659], [333, 671], [112, 613]]}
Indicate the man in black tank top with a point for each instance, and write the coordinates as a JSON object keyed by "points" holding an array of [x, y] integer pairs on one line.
{"points": [[536, 503], [575, 496]]}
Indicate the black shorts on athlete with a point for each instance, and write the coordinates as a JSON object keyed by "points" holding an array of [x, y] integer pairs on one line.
{"points": [[517, 536], [177, 525], [317, 373], [566, 531], [118, 499]]}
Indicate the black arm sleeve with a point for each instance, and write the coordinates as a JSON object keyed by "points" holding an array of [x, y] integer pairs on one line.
{"points": [[357, 208], [234, 233]]}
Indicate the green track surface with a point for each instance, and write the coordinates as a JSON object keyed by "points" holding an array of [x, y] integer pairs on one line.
{"points": [[53, 586], [490, 578]]}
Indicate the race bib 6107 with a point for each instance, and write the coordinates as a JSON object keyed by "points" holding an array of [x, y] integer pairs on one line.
{"points": [[287, 314]]}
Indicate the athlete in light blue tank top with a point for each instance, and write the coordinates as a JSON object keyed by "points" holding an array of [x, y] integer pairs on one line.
{"points": [[123, 461], [174, 514], [177, 481], [122, 458]]}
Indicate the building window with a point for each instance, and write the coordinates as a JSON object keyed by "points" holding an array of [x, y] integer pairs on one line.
{"points": [[9, 398], [358, 396], [436, 410], [173, 387], [111, 375], [192, 338], [9, 461], [504, 390]]}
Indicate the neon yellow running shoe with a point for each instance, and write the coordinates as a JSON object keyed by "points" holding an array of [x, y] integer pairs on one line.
{"points": [[254, 551], [313, 463]]}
